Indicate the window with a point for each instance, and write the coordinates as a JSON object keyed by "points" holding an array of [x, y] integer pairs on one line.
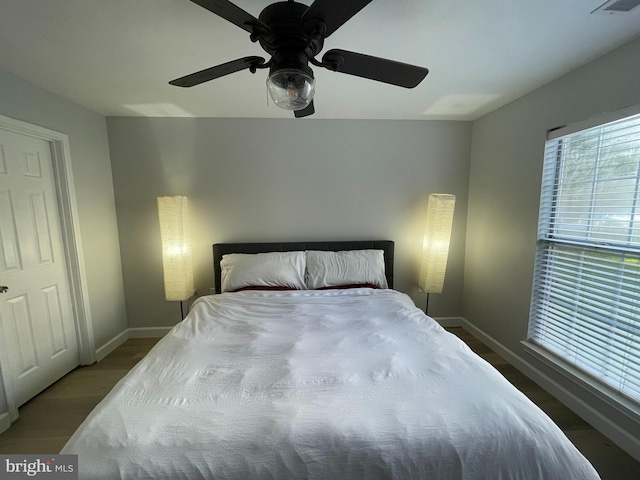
{"points": [[586, 293]]}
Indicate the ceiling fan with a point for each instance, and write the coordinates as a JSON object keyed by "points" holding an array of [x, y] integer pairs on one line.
{"points": [[293, 34]]}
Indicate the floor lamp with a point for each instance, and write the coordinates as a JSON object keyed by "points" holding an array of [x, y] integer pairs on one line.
{"points": [[177, 264], [435, 246]]}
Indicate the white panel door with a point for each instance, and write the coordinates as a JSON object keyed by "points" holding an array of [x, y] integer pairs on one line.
{"points": [[36, 315]]}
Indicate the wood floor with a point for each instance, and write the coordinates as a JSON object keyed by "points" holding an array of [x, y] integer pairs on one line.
{"points": [[48, 420]]}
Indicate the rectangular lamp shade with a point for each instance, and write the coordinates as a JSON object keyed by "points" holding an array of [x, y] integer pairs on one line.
{"points": [[435, 247], [173, 213]]}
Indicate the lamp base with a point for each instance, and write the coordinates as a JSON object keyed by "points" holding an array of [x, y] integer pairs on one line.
{"points": [[188, 300], [426, 307]]}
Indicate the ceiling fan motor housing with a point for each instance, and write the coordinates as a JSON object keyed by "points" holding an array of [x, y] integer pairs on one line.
{"points": [[290, 42]]}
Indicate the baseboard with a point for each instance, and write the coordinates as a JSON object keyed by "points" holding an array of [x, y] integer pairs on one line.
{"points": [[137, 332], [111, 345], [148, 332], [5, 422], [613, 431], [450, 321]]}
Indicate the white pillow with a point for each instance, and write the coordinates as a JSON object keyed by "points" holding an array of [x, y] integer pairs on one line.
{"points": [[272, 269], [345, 268]]}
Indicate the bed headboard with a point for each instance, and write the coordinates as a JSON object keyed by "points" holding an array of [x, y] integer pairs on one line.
{"points": [[220, 249]]}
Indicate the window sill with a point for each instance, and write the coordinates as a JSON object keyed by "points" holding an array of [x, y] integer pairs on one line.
{"points": [[620, 402]]}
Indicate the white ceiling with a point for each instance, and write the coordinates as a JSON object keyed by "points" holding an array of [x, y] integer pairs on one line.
{"points": [[116, 56]]}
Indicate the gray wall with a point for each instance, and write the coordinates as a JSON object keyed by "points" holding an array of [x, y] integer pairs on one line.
{"points": [[261, 180], [504, 191], [94, 194]]}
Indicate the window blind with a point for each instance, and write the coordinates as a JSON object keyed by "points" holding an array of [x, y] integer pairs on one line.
{"points": [[586, 289]]}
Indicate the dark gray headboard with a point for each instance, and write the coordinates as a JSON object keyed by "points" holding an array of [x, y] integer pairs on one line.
{"points": [[220, 249]]}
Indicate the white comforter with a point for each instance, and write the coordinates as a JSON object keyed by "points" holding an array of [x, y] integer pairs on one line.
{"points": [[343, 384]]}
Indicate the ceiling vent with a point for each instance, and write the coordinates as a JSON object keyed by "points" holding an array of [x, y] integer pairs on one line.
{"points": [[617, 6]]}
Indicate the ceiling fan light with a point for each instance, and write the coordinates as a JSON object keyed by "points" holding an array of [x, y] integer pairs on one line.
{"points": [[291, 89]]}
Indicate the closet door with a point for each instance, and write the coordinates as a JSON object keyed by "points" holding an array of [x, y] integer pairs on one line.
{"points": [[37, 328]]}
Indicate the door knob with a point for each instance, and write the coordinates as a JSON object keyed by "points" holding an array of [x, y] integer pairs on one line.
{"points": [[4, 289]]}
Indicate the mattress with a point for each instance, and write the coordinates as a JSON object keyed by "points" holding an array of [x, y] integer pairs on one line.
{"points": [[336, 384]]}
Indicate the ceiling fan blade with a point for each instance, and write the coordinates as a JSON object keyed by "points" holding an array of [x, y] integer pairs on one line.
{"points": [[306, 111], [216, 72], [374, 68], [231, 13], [334, 13]]}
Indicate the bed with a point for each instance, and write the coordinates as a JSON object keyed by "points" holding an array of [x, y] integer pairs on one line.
{"points": [[308, 365]]}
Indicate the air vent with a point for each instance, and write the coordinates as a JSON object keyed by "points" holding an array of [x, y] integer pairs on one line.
{"points": [[617, 6]]}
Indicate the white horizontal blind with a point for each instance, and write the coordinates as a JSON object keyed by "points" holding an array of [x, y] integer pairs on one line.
{"points": [[586, 294]]}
